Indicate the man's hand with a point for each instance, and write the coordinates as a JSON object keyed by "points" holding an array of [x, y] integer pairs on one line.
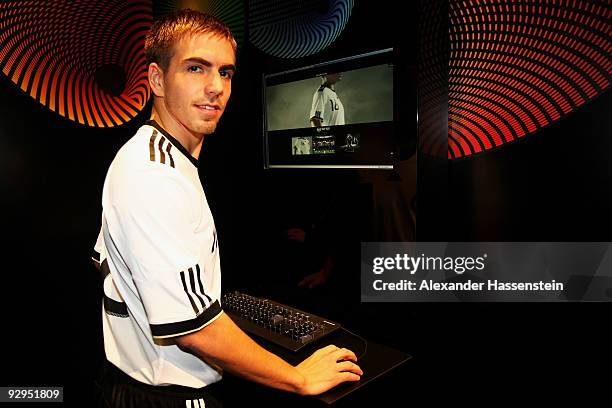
{"points": [[326, 368], [316, 122]]}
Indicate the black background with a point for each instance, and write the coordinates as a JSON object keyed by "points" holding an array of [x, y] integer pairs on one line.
{"points": [[553, 186]]}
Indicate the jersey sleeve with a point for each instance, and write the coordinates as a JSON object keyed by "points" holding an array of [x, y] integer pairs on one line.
{"points": [[318, 105], [152, 221]]}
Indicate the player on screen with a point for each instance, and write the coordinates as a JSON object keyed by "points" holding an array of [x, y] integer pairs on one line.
{"points": [[327, 109]]}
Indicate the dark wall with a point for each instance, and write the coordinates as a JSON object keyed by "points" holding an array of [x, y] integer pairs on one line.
{"points": [[553, 186], [52, 173]]}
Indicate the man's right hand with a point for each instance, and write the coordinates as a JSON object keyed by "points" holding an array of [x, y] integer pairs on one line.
{"points": [[326, 368]]}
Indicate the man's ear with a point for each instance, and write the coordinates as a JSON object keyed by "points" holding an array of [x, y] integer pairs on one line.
{"points": [[156, 79]]}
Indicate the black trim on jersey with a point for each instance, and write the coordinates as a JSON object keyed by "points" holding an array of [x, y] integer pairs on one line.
{"points": [[114, 308], [95, 258], [188, 279], [193, 305], [151, 148], [104, 269], [193, 288], [200, 283], [175, 142], [178, 328], [160, 147], [168, 147], [322, 87]]}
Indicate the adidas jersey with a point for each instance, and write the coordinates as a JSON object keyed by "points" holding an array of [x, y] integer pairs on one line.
{"points": [[327, 106], [159, 248]]}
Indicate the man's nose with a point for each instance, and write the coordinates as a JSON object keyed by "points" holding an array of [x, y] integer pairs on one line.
{"points": [[214, 84]]}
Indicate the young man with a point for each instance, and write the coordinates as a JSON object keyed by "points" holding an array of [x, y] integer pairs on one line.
{"points": [[165, 333], [326, 108]]}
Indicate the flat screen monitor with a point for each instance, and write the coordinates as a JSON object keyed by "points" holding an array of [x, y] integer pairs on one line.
{"points": [[336, 114]]}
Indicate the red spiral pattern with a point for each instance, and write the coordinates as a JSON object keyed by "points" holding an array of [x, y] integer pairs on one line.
{"points": [[518, 65], [53, 50], [433, 79]]}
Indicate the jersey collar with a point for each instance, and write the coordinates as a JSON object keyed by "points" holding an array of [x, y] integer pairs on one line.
{"points": [[175, 142], [323, 86]]}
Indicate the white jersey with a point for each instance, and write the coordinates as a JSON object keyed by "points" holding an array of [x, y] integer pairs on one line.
{"points": [[327, 107], [159, 246]]}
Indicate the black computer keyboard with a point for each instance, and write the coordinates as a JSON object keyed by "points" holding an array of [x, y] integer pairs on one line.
{"points": [[286, 326]]}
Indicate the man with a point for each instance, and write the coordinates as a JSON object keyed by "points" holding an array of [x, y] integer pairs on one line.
{"points": [[327, 109], [165, 333]]}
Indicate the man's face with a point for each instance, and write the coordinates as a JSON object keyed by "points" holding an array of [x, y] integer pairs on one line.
{"points": [[333, 78], [198, 82]]}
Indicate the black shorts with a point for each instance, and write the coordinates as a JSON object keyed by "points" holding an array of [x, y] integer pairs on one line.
{"points": [[115, 389]]}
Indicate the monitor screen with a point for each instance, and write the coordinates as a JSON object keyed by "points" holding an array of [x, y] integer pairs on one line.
{"points": [[337, 114]]}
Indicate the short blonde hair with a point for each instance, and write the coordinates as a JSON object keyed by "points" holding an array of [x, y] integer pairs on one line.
{"points": [[171, 28]]}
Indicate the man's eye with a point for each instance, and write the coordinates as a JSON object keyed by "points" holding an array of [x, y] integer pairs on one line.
{"points": [[226, 74], [194, 68]]}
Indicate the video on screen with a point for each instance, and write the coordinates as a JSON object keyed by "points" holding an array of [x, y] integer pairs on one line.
{"points": [[362, 95], [335, 114]]}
